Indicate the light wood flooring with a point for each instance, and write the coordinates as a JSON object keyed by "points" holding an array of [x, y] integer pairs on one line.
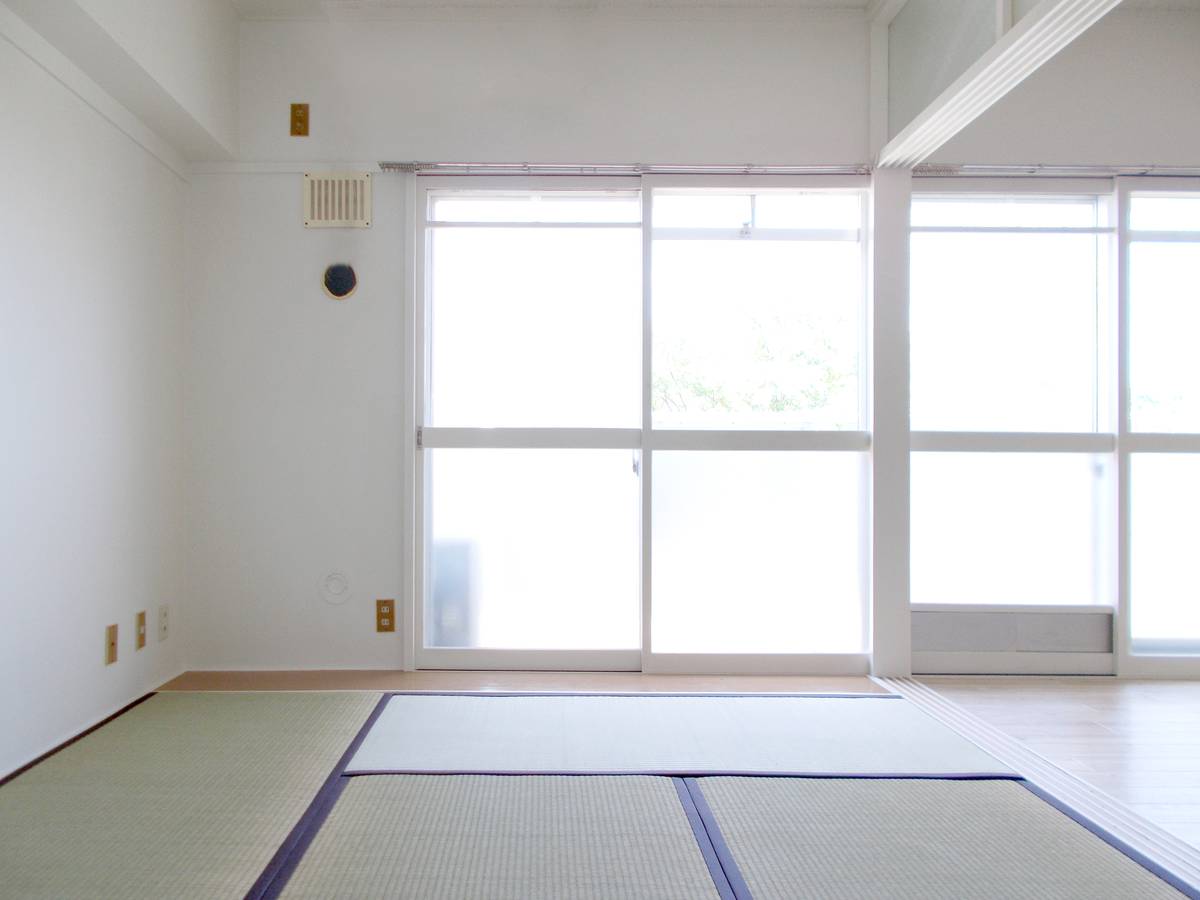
{"points": [[389, 680], [1138, 741]]}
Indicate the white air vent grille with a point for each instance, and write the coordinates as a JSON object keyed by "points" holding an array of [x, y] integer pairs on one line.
{"points": [[337, 199]]}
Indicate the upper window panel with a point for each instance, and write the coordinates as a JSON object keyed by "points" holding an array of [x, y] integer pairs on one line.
{"points": [[1163, 213], [1164, 315], [773, 209], [534, 326], [1004, 314], [973, 211], [543, 206], [757, 310]]}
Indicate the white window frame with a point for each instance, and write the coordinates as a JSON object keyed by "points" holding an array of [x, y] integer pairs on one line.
{"points": [[1103, 441], [1130, 664], [644, 440], [887, 437]]}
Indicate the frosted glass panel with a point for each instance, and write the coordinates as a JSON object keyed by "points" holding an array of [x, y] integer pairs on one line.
{"points": [[536, 327], [758, 552], [550, 206], [757, 334], [533, 549], [967, 211], [1165, 601], [808, 210], [1164, 366], [1009, 528], [1003, 331], [1165, 213], [709, 210]]}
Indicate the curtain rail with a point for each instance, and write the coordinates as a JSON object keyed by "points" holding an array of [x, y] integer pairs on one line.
{"points": [[921, 171]]}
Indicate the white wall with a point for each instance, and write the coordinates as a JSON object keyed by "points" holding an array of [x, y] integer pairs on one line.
{"points": [[294, 405], [91, 342], [190, 47], [578, 86], [1127, 92]]}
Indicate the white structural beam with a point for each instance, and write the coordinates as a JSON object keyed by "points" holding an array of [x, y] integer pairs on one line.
{"points": [[891, 624], [1036, 38], [171, 64], [880, 14]]}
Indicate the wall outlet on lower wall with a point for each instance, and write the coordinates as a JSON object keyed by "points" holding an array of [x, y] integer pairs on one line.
{"points": [[110, 645], [385, 615], [139, 631], [162, 621]]}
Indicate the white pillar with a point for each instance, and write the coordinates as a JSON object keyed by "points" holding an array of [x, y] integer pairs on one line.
{"points": [[891, 628]]}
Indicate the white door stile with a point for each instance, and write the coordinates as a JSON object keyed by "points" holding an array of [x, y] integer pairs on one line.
{"points": [[420, 349], [646, 459], [410, 611]]}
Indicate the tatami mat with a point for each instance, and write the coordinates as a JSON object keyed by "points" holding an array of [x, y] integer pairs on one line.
{"points": [[504, 838], [663, 735], [842, 839], [185, 795]]}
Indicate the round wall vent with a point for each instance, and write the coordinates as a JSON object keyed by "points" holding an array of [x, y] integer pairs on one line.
{"points": [[340, 281]]}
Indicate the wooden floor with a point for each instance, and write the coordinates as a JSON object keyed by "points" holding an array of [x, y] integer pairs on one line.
{"points": [[389, 680], [1138, 741]]}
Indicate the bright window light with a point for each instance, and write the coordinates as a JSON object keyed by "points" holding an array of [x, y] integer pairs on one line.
{"points": [[533, 206], [758, 552], [1165, 609], [533, 549], [1164, 317], [1164, 213], [1004, 325], [1012, 211], [757, 331], [1021, 528], [536, 327]]}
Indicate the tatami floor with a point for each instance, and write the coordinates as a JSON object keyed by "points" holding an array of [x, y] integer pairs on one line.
{"points": [[238, 766], [1138, 741]]}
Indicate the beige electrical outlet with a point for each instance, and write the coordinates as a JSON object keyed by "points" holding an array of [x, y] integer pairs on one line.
{"points": [[385, 615], [139, 640], [110, 645]]}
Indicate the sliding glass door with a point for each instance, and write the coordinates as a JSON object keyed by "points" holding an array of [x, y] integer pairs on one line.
{"points": [[642, 441], [531, 404], [755, 427]]}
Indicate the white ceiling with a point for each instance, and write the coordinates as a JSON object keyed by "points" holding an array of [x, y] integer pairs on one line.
{"points": [[323, 9]]}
